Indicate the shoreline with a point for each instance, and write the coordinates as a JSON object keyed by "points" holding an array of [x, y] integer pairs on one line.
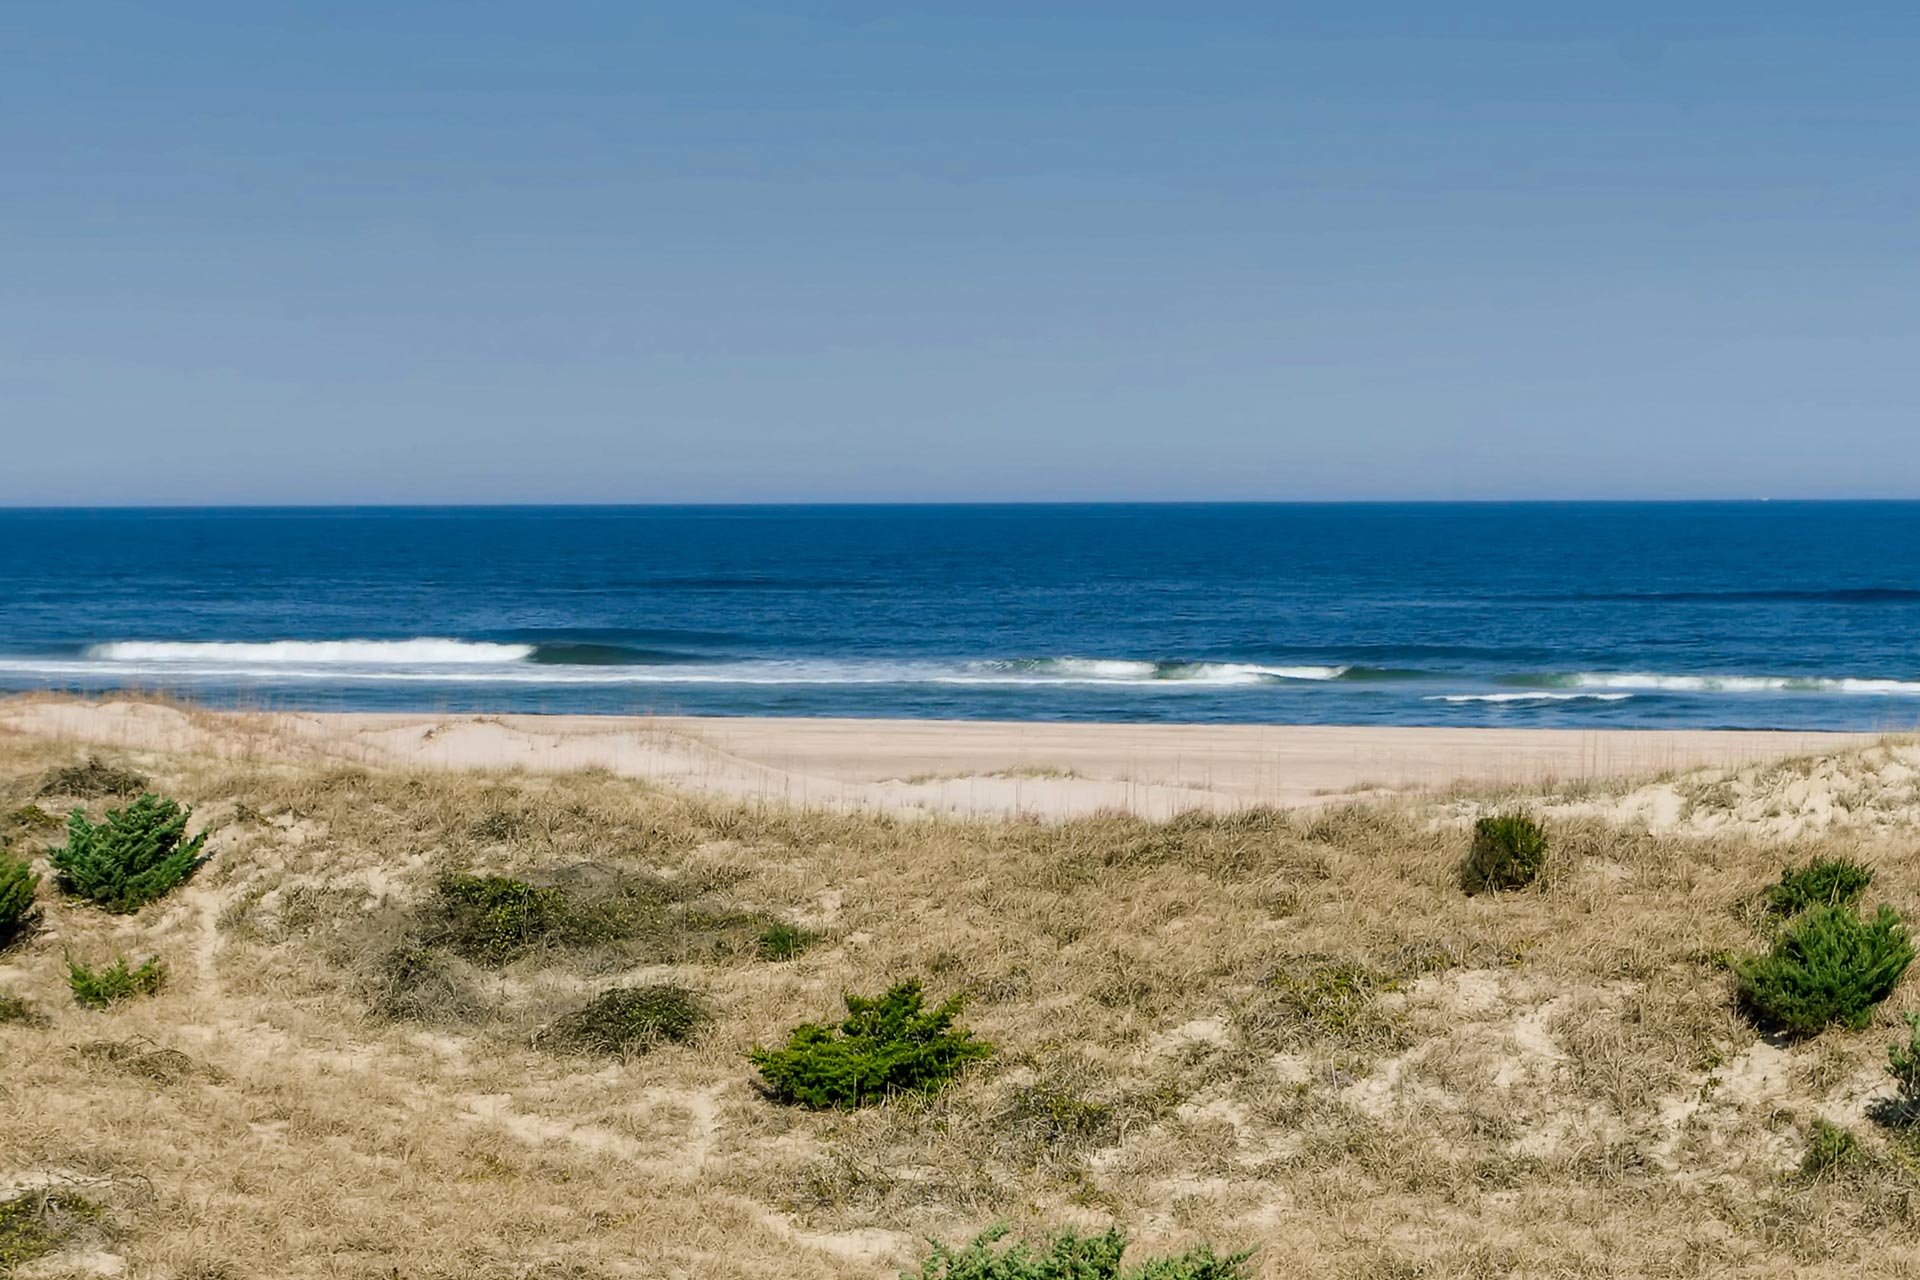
{"points": [[1042, 769]]}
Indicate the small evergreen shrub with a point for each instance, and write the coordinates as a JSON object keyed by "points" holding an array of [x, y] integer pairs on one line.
{"points": [[136, 855], [17, 912], [98, 988], [632, 1020], [1903, 1064], [1827, 966], [1069, 1256], [91, 778], [1508, 851], [783, 941], [887, 1044], [1824, 882], [1830, 1150]]}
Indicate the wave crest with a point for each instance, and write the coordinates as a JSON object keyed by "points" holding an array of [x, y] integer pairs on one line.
{"points": [[424, 650]]}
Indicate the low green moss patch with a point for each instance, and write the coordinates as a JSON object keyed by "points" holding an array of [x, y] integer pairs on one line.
{"points": [[25, 822], [887, 1044], [1069, 1256], [34, 1224], [628, 1020], [493, 920], [98, 988]]}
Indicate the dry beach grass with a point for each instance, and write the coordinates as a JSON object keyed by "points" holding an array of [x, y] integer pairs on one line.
{"points": [[1288, 1031]]}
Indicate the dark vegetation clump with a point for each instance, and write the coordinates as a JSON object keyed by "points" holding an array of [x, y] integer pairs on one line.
{"points": [[18, 914], [1827, 966], [1508, 852], [91, 779], [136, 855], [413, 983], [98, 988], [1069, 1256], [1824, 882], [142, 1058], [15, 1011], [783, 941], [886, 1044], [627, 1020], [34, 1224]]}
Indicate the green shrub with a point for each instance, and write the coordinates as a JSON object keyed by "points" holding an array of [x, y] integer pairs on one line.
{"points": [[93, 777], [17, 912], [887, 1044], [1068, 1256], [136, 855], [98, 988], [1830, 1150], [1508, 851], [1824, 882], [783, 941], [1827, 966], [632, 1020], [1903, 1064]]}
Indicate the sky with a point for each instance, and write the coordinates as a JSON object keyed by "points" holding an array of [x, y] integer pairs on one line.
{"points": [[717, 252]]}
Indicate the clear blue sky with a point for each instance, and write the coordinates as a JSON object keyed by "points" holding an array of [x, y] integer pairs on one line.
{"points": [[276, 252]]}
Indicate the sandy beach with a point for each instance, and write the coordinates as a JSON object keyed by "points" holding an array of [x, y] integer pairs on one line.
{"points": [[1046, 770]]}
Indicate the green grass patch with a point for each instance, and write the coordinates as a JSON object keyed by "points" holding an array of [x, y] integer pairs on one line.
{"points": [[1827, 966], [781, 941], [1069, 1256], [887, 1044], [1831, 1151], [98, 988]]}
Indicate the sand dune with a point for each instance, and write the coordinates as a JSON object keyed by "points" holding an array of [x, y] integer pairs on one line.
{"points": [[986, 768]]}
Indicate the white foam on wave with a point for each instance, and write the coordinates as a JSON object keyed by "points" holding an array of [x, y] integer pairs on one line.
{"points": [[1130, 671], [1542, 696], [429, 660], [423, 650], [1741, 684]]}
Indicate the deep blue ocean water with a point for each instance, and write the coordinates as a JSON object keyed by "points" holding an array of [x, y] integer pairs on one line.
{"points": [[1735, 614]]}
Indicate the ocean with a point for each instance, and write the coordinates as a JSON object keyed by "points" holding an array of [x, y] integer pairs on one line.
{"points": [[1736, 615]]}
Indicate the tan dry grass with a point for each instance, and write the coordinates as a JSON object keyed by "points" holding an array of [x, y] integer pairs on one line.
{"points": [[1291, 1032]]}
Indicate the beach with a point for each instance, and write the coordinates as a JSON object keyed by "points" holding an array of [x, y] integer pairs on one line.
{"points": [[1043, 770]]}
